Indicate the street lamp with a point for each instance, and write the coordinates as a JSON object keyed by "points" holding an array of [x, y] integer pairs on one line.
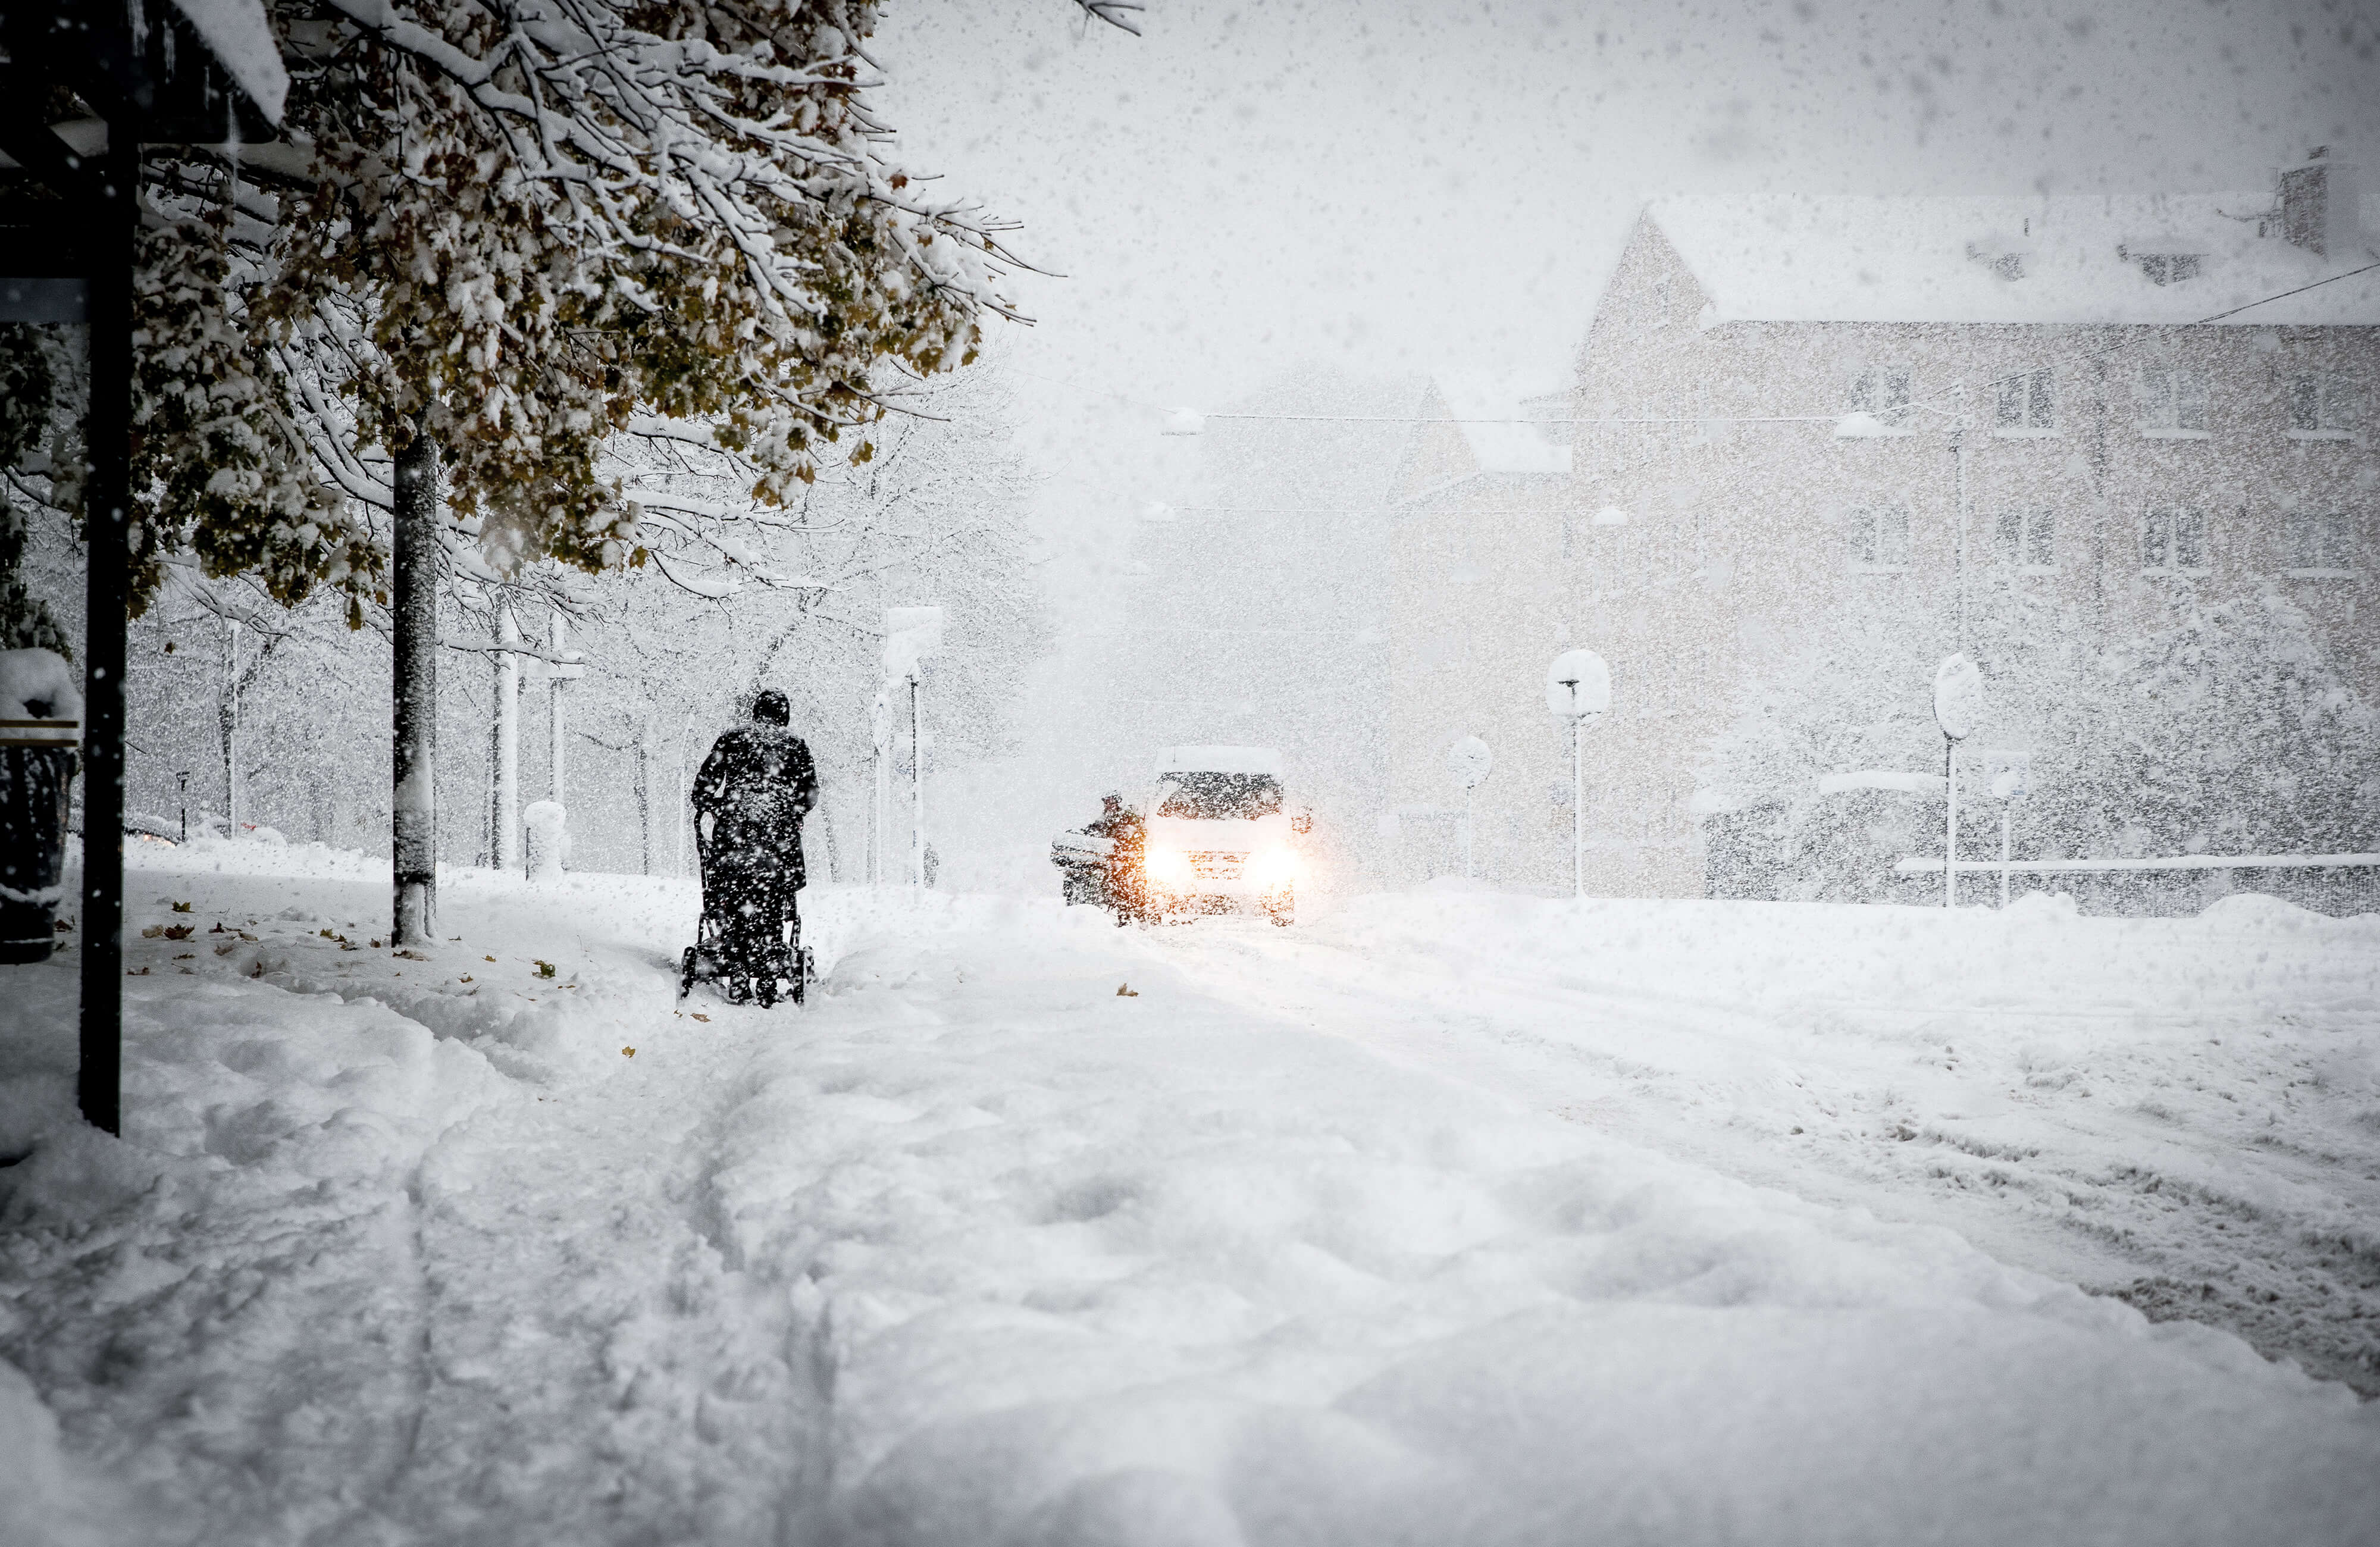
{"points": [[1469, 760], [910, 635], [1958, 708], [1578, 688]]}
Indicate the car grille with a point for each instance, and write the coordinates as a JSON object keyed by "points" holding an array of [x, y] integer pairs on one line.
{"points": [[1216, 865]]}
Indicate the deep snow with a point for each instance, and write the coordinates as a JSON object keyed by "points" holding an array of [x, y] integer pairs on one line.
{"points": [[977, 1249]]}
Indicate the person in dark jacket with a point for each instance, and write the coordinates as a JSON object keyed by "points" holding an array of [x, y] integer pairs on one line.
{"points": [[749, 799], [1121, 826]]}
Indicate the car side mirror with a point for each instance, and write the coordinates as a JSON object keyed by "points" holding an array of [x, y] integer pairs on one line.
{"points": [[1302, 822]]}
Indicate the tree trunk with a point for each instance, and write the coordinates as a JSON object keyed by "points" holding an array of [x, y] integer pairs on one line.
{"points": [[413, 609], [558, 638], [645, 794], [506, 816], [227, 723]]}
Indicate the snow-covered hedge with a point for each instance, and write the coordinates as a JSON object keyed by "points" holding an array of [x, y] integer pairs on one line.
{"points": [[2227, 730]]}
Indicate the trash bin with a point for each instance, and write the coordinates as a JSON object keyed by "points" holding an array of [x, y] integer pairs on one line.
{"points": [[41, 726]]}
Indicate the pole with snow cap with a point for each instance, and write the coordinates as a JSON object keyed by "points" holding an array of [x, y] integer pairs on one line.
{"points": [[1578, 688], [1958, 709], [881, 723], [1469, 760], [910, 635]]}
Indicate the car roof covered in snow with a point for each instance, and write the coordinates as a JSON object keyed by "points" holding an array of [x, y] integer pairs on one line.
{"points": [[2063, 258], [1219, 760]]}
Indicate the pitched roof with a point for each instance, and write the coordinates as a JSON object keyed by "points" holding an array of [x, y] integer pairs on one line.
{"points": [[2067, 258]]}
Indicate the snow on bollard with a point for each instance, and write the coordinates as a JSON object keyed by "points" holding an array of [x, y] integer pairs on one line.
{"points": [[545, 823]]}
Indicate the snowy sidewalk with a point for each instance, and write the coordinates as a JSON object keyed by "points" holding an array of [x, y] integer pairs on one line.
{"points": [[976, 1250]]}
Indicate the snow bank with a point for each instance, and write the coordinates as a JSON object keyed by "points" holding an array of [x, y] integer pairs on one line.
{"points": [[1078, 1266], [981, 1247], [45, 1502], [216, 1262]]}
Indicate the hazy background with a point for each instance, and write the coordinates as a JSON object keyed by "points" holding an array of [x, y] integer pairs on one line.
{"points": [[1426, 185]]}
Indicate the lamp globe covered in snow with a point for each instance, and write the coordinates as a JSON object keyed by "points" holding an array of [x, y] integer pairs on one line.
{"points": [[1578, 688], [1957, 697]]}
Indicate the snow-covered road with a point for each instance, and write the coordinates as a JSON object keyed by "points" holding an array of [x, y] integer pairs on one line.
{"points": [[1414, 1226], [2183, 1112]]}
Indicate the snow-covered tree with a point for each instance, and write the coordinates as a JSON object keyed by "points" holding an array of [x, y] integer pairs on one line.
{"points": [[498, 233], [32, 427]]}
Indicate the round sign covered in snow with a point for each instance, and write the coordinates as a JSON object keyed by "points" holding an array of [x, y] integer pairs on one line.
{"points": [[1578, 685], [1957, 697], [1469, 760]]}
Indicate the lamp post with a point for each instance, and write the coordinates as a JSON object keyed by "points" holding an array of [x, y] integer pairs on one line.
{"points": [[1958, 707], [1469, 760], [910, 635], [2012, 782], [1578, 688], [881, 723]]}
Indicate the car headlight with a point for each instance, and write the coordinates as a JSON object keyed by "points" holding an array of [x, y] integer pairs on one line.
{"points": [[1272, 869], [1166, 867]]}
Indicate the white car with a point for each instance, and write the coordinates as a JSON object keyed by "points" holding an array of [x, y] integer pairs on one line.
{"points": [[1220, 835]]}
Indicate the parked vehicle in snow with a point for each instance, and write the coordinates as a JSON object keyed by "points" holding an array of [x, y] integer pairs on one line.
{"points": [[1220, 835]]}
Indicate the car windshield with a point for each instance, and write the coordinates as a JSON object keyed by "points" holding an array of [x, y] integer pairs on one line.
{"points": [[1220, 796]]}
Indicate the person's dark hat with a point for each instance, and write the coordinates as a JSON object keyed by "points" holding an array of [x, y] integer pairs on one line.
{"points": [[772, 708]]}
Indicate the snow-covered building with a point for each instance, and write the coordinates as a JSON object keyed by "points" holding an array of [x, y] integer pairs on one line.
{"points": [[1791, 413]]}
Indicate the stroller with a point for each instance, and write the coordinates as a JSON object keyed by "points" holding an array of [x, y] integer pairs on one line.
{"points": [[749, 938]]}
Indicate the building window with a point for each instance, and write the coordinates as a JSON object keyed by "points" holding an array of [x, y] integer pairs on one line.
{"points": [[2168, 268], [2024, 403], [2173, 402], [1882, 393], [2027, 540], [2321, 542], [2173, 541], [1879, 537], [2322, 405]]}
